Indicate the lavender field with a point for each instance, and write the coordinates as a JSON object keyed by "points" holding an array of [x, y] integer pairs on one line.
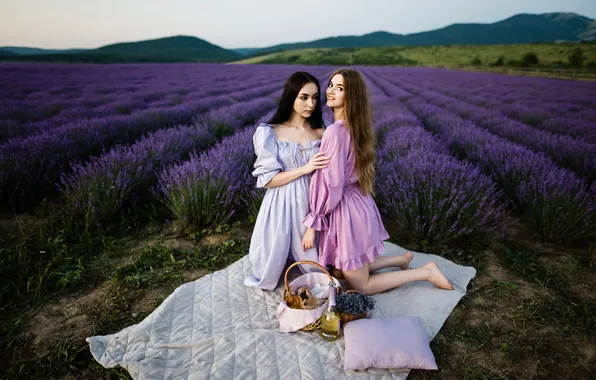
{"points": [[480, 149], [465, 160]]}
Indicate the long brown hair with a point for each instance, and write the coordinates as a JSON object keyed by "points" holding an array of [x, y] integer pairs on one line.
{"points": [[357, 114]]}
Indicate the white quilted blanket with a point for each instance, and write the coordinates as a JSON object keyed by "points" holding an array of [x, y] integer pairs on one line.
{"points": [[216, 328]]}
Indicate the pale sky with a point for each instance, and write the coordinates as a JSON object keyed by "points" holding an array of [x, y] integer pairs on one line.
{"points": [[60, 24]]}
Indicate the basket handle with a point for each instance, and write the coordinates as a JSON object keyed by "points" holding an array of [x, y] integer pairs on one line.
{"points": [[288, 291]]}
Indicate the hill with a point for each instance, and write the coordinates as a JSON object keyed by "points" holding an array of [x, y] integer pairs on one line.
{"points": [[7, 53], [183, 47], [168, 49], [518, 29], [35, 51], [548, 56]]}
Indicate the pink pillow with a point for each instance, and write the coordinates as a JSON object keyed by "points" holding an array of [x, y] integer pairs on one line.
{"points": [[397, 342]]}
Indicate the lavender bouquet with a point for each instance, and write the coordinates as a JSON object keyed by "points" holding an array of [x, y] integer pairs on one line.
{"points": [[353, 305]]}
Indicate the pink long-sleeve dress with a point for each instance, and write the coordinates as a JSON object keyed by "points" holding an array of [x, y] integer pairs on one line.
{"points": [[351, 229]]}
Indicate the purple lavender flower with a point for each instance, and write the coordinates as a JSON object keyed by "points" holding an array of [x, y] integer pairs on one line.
{"points": [[209, 188], [436, 198]]}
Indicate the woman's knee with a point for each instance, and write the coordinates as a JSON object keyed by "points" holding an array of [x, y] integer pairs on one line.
{"points": [[357, 279]]}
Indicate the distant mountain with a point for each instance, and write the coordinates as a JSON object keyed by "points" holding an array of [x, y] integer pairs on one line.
{"points": [[34, 51], [178, 47], [518, 29], [245, 51], [521, 28], [7, 53], [168, 49]]}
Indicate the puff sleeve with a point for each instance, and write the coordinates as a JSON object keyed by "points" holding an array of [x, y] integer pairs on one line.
{"points": [[327, 185], [266, 165]]}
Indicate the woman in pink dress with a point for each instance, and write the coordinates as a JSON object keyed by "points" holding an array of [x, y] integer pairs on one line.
{"points": [[341, 204]]}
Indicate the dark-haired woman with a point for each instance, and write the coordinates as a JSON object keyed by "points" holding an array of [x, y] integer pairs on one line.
{"points": [[287, 150]]}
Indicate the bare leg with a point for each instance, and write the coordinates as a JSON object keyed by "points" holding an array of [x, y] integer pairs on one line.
{"points": [[381, 262], [362, 281]]}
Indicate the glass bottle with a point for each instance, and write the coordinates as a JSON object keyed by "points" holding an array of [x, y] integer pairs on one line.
{"points": [[331, 321]]}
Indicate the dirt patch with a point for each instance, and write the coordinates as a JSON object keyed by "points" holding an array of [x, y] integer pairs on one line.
{"points": [[177, 243], [147, 301], [240, 232], [27, 224], [71, 319], [494, 271], [578, 280], [68, 320], [588, 353], [215, 240], [194, 274], [132, 250]]}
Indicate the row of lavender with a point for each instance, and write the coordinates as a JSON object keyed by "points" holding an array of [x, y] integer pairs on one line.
{"points": [[576, 154], [211, 187], [562, 107], [550, 97], [554, 201], [39, 85], [41, 98], [430, 194], [206, 188], [122, 105], [103, 186], [31, 167], [575, 120], [433, 195]]}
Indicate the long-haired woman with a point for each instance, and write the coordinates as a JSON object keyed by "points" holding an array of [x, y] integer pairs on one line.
{"points": [[287, 150], [342, 207]]}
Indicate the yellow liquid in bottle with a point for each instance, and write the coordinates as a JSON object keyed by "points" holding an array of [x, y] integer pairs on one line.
{"points": [[330, 324], [331, 321]]}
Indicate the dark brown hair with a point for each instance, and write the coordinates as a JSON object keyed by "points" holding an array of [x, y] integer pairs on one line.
{"points": [[291, 90]]}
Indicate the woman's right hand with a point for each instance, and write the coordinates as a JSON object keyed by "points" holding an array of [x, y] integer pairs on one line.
{"points": [[318, 161]]}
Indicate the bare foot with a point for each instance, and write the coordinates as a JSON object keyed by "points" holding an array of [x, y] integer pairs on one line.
{"points": [[408, 256], [436, 277]]}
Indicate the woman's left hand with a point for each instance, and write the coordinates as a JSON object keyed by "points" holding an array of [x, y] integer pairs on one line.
{"points": [[308, 241]]}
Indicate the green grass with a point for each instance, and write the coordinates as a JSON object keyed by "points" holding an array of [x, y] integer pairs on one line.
{"points": [[495, 332], [549, 55], [499, 58], [526, 313], [157, 265], [522, 318], [128, 269]]}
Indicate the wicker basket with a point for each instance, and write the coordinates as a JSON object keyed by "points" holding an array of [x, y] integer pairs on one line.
{"points": [[294, 301]]}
